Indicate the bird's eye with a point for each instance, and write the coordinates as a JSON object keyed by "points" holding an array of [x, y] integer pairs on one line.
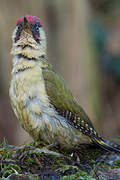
{"points": [[18, 32], [37, 28], [19, 27]]}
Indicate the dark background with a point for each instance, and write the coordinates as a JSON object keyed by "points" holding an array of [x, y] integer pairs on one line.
{"points": [[83, 40]]}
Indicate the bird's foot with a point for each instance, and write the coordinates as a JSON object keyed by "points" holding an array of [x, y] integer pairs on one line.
{"points": [[51, 145]]}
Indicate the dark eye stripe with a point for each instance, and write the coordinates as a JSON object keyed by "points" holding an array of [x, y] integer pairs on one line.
{"points": [[17, 36], [18, 32], [36, 36]]}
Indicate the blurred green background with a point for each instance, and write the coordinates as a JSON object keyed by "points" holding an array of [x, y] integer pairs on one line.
{"points": [[83, 40]]}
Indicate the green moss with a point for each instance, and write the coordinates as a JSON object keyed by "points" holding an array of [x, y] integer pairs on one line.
{"points": [[19, 161], [116, 164], [78, 174]]}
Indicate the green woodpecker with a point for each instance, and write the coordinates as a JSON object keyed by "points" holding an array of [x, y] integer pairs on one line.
{"points": [[40, 97]]}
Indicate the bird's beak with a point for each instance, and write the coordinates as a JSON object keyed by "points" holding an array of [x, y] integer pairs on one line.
{"points": [[25, 20], [26, 26]]}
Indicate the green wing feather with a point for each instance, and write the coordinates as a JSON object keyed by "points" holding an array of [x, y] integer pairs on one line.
{"points": [[60, 95], [61, 98]]}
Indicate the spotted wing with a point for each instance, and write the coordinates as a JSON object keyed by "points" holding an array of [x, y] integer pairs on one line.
{"points": [[65, 104]]}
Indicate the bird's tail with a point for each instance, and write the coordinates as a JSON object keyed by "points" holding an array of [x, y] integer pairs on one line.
{"points": [[107, 145]]}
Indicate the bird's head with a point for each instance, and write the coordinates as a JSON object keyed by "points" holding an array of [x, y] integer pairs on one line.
{"points": [[29, 36]]}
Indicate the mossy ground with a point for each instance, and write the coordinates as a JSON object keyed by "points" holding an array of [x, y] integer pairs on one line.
{"points": [[89, 163]]}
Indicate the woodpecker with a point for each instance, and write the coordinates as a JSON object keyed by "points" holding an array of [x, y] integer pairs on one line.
{"points": [[40, 97]]}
